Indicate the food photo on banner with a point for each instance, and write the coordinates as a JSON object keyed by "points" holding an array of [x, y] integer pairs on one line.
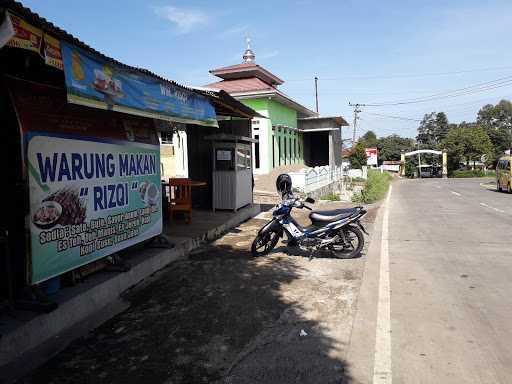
{"points": [[94, 179], [104, 85]]}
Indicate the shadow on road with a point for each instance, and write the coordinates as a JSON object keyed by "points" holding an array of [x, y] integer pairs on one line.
{"points": [[218, 317]]}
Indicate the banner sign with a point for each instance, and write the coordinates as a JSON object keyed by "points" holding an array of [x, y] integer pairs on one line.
{"points": [[26, 36], [51, 51], [94, 180], [89, 199], [371, 156], [94, 82]]}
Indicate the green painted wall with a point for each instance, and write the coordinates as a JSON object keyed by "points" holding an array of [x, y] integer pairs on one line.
{"points": [[291, 145], [281, 114], [256, 104]]}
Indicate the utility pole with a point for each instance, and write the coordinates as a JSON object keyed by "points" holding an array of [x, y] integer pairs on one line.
{"points": [[356, 117], [419, 161], [316, 93]]}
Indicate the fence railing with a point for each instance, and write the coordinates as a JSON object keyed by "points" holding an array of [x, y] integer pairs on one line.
{"points": [[310, 179]]}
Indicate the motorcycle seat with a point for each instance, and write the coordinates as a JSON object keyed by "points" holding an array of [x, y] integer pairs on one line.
{"points": [[333, 215]]}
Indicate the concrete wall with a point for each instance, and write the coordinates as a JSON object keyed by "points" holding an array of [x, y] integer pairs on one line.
{"points": [[263, 129], [279, 141]]}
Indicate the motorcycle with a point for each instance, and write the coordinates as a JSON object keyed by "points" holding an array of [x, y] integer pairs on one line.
{"points": [[338, 231]]}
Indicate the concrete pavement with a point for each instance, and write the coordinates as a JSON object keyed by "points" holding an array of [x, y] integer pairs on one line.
{"points": [[224, 317], [449, 268]]}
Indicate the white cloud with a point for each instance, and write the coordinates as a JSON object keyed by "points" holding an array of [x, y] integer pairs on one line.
{"points": [[184, 19], [237, 30]]}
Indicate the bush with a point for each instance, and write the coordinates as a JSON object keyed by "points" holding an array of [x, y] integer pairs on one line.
{"points": [[375, 188], [472, 173], [330, 196]]}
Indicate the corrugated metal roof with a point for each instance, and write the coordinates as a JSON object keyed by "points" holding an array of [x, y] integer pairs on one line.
{"points": [[40, 22]]}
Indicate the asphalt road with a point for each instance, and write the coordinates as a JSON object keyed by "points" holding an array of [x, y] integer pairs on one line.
{"points": [[446, 315]]}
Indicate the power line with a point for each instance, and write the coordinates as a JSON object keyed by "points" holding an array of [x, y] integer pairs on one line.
{"points": [[472, 89], [406, 75], [393, 117]]}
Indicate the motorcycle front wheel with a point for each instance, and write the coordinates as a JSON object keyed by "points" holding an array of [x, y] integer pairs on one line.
{"points": [[264, 243], [352, 244]]}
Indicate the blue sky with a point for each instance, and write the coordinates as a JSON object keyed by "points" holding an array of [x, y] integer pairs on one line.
{"points": [[363, 51]]}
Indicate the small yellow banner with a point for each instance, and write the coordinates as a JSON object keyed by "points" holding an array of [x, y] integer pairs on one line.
{"points": [[26, 36], [52, 55]]}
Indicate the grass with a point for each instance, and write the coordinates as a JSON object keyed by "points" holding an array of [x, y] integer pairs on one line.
{"points": [[461, 173], [375, 187], [330, 196]]}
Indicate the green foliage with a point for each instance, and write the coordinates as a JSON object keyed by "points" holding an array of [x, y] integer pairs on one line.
{"points": [[465, 143], [432, 130], [358, 156], [330, 196], [375, 188], [497, 123], [390, 147], [472, 173], [369, 140]]}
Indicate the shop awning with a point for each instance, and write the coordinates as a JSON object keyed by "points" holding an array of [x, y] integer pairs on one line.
{"points": [[96, 80]]}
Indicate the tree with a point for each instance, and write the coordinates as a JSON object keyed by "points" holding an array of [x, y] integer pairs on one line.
{"points": [[441, 128], [466, 142], [426, 130], [497, 123], [358, 156], [369, 139], [432, 130], [390, 147]]}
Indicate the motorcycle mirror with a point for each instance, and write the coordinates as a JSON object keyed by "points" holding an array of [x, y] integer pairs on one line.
{"points": [[310, 200]]}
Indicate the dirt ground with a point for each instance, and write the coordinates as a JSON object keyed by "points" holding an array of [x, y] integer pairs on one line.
{"points": [[220, 316]]}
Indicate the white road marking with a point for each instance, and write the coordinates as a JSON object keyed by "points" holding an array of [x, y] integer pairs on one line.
{"points": [[382, 373], [455, 193], [493, 208]]}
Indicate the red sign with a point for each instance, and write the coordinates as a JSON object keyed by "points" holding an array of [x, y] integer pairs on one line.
{"points": [[371, 156]]}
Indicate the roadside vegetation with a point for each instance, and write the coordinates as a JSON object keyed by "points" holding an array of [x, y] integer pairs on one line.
{"points": [[330, 196], [472, 173], [476, 144], [375, 187]]}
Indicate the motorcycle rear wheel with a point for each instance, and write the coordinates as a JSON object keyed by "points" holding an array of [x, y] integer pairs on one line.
{"points": [[264, 243], [354, 243]]}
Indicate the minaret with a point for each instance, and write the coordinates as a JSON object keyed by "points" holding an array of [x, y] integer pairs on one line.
{"points": [[249, 56]]}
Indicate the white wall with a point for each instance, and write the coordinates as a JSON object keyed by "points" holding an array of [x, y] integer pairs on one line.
{"points": [[265, 134]]}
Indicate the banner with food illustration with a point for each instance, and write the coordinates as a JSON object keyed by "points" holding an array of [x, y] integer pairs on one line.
{"points": [[89, 199], [93, 177], [97, 83]]}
